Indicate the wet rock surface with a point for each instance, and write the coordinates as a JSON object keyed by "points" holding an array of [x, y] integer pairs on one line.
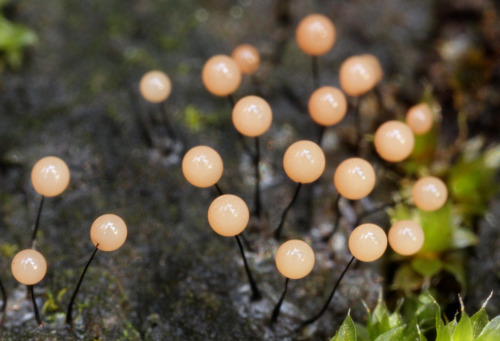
{"points": [[77, 98]]}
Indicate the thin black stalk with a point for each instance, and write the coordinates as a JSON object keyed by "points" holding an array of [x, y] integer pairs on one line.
{"points": [[357, 124], [245, 146], [69, 317], [256, 85], [375, 210], [246, 242], [355, 205], [277, 308], [231, 100], [218, 189], [256, 161], [166, 121], [277, 231], [315, 71], [321, 133], [337, 217], [35, 307], [255, 291], [4, 302], [329, 299], [37, 223], [381, 208], [294, 99], [144, 122], [382, 112]]}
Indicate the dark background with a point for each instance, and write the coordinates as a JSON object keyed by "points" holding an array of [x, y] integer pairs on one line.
{"points": [[76, 97]]}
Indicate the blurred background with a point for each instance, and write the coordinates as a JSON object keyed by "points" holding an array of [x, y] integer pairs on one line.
{"points": [[69, 88]]}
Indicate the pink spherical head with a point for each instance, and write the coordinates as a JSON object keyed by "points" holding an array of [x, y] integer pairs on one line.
{"points": [[406, 237], [357, 76], [29, 267], [295, 259], [202, 166], [304, 161], [50, 176], [108, 232], [247, 57], [429, 193], [221, 75], [155, 86], [394, 141], [228, 215], [252, 116], [315, 34], [419, 119], [354, 178], [367, 242], [327, 106]]}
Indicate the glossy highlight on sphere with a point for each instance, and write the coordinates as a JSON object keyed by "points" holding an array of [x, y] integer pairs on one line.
{"points": [[247, 57], [375, 65], [315, 34], [327, 106], [155, 86], [304, 161], [109, 231], [295, 259], [357, 75], [367, 242], [50, 176], [419, 118], [354, 178], [29, 267], [406, 237], [202, 166], [252, 116], [228, 215], [429, 193], [221, 75], [394, 141]]}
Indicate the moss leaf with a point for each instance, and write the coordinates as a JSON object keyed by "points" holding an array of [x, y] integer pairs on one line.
{"points": [[407, 279], [463, 330], [463, 237], [479, 320], [437, 229], [347, 331], [443, 333], [394, 334], [491, 331], [471, 180], [427, 267], [378, 321], [361, 332]]}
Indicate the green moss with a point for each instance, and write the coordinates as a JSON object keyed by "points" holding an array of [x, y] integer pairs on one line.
{"points": [[9, 250]]}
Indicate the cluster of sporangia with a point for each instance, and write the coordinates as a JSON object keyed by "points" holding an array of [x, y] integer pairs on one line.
{"points": [[304, 161], [50, 176]]}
